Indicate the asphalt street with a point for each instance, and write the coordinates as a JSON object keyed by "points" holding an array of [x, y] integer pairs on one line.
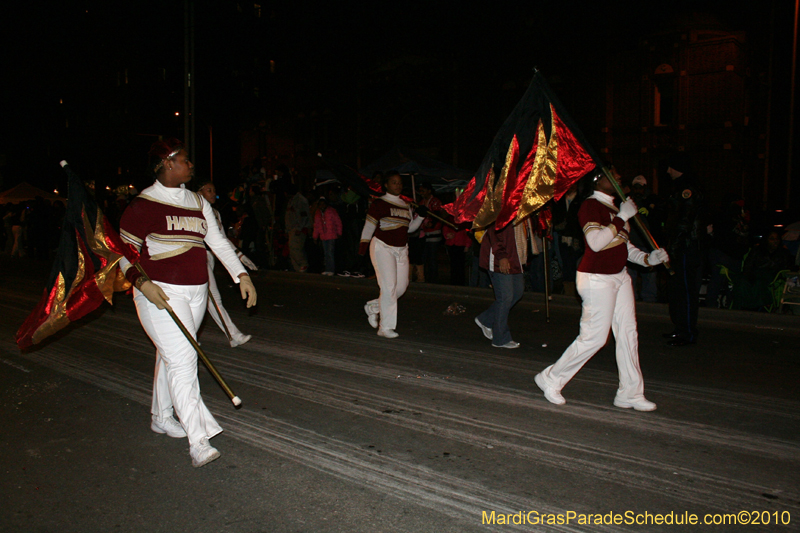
{"points": [[435, 431]]}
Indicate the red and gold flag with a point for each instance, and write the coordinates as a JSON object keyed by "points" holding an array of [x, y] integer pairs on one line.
{"points": [[85, 272], [536, 156]]}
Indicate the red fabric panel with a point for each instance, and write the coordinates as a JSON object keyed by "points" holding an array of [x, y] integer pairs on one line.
{"points": [[574, 161]]}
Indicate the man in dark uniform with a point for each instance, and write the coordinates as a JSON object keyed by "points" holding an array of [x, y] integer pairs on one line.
{"points": [[684, 232]]}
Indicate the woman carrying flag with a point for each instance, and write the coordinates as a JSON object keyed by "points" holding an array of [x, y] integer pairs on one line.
{"points": [[608, 303], [385, 234], [170, 226]]}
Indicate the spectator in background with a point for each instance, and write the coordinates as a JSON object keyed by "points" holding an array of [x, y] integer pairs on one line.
{"points": [[327, 228], [262, 214], [458, 245], [249, 229], [298, 223], [282, 181], [432, 232], [685, 232], [568, 236], [752, 286], [730, 241], [18, 222]]}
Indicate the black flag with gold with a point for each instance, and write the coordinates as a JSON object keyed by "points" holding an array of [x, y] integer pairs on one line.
{"points": [[85, 272], [536, 156]]}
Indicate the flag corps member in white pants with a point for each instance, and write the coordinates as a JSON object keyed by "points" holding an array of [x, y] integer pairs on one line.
{"points": [[170, 226], [389, 220], [608, 301], [207, 190]]}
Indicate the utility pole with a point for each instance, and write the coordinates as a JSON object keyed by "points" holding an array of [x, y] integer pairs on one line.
{"points": [[188, 74], [791, 109]]}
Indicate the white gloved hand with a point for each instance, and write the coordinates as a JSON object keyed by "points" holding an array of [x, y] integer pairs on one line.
{"points": [[247, 262], [657, 257], [628, 209], [248, 290], [155, 294]]}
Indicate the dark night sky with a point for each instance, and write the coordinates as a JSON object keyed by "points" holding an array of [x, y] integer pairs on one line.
{"points": [[76, 50]]}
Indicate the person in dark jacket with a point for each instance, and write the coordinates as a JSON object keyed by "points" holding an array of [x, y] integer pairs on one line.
{"points": [[684, 233], [503, 252]]}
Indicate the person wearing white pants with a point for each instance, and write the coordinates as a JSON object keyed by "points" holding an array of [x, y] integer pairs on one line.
{"points": [[169, 226], [207, 190], [385, 234], [608, 301], [175, 385], [237, 338]]}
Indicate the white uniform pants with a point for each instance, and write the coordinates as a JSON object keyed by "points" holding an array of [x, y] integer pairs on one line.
{"points": [[175, 385], [391, 270], [608, 302], [212, 309]]}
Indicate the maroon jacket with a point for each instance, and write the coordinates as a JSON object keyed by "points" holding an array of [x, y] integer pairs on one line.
{"points": [[499, 245]]}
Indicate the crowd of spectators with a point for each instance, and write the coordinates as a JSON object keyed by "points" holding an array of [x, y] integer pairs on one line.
{"points": [[289, 222], [31, 229]]}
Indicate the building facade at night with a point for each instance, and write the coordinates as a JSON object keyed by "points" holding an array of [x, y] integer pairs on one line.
{"points": [[688, 90]]}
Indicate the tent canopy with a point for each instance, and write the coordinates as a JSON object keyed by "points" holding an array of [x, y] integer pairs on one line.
{"points": [[25, 192], [441, 176]]}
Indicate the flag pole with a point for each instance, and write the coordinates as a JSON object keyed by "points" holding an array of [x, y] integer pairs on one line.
{"points": [[440, 219], [649, 236], [546, 273], [237, 402]]}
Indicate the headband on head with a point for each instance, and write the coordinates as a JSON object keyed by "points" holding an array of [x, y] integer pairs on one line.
{"points": [[164, 150]]}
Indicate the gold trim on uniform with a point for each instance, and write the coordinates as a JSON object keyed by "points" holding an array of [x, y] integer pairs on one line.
{"points": [[178, 251], [390, 223], [133, 239], [616, 242], [592, 226], [177, 240]]}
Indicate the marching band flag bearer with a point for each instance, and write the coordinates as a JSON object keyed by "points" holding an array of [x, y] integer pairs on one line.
{"points": [[605, 287], [169, 225], [385, 234]]}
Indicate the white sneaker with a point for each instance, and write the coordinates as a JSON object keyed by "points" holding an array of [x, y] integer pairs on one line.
{"points": [[241, 339], [168, 425], [487, 332], [327, 273], [552, 395], [372, 317], [510, 345], [203, 453], [640, 404], [388, 333]]}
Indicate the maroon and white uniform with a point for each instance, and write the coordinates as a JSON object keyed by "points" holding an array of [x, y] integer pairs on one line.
{"points": [[608, 301], [389, 220], [169, 226], [222, 318]]}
